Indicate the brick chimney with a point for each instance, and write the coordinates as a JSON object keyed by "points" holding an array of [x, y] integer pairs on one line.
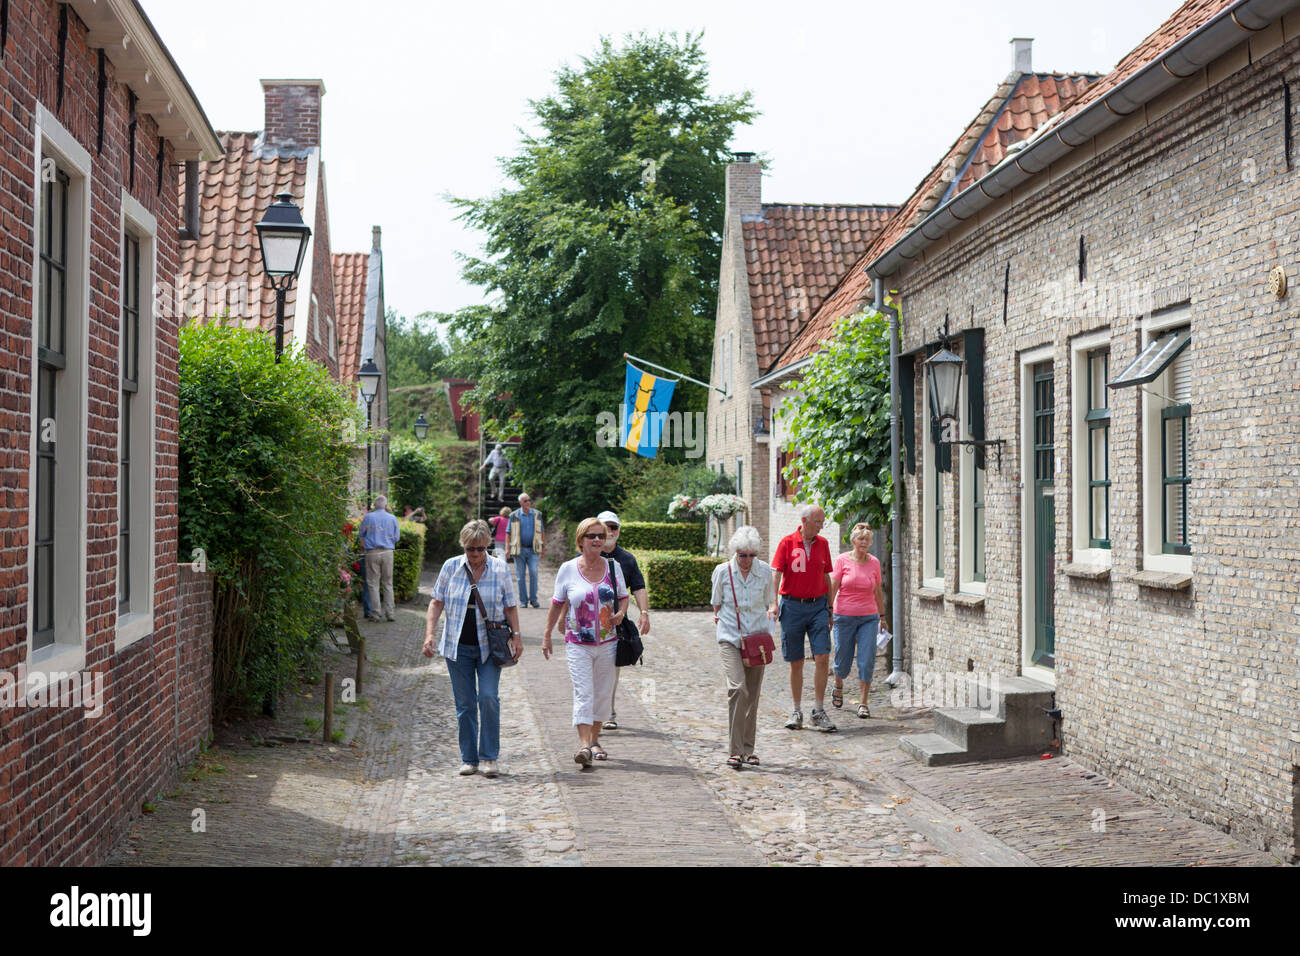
{"points": [[745, 185], [292, 113], [1024, 54]]}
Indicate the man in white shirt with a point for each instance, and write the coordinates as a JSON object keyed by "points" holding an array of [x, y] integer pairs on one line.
{"points": [[500, 465]]}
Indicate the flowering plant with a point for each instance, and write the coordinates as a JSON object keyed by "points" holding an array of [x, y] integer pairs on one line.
{"points": [[720, 506], [682, 506]]}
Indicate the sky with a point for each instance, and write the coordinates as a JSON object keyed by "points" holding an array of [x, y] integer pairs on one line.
{"points": [[858, 99]]}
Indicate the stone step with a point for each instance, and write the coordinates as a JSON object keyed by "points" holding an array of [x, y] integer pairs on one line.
{"points": [[933, 750], [1015, 725]]}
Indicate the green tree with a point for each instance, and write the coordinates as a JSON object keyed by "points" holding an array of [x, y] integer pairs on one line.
{"points": [[608, 243], [265, 451], [839, 422], [415, 349]]}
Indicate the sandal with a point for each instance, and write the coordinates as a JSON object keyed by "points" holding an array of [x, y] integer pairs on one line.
{"points": [[598, 752], [837, 696], [864, 711], [734, 762], [583, 756], [752, 760]]}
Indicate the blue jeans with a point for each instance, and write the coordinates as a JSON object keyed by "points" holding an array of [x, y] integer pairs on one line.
{"points": [[797, 619], [856, 631], [526, 567], [479, 740]]}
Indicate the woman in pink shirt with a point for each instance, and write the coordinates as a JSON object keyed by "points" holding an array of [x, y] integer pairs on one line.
{"points": [[856, 598], [500, 525]]}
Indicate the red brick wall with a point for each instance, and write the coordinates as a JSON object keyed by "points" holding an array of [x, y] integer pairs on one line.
{"points": [[69, 783], [322, 284]]}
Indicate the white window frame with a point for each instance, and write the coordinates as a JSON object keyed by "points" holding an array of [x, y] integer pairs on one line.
{"points": [[966, 475], [138, 622], [68, 652], [1153, 556], [1080, 532], [331, 339], [932, 576], [315, 319]]}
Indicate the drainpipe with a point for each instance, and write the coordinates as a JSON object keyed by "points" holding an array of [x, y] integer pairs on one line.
{"points": [[896, 676]]}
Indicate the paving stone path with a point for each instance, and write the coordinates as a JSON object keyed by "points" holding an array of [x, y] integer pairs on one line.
{"points": [[387, 793]]}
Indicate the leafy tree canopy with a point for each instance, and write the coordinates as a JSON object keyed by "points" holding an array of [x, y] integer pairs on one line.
{"points": [[419, 351], [608, 243], [839, 423]]}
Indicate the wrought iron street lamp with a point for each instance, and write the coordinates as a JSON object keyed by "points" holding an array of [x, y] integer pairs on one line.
{"points": [[369, 377], [421, 427], [283, 237], [943, 376]]}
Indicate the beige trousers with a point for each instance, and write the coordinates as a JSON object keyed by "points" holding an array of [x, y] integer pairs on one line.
{"points": [[379, 569], [743, 684]]}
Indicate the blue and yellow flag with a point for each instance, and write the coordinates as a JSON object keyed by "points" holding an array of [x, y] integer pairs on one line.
{"points": [[645, 406]]}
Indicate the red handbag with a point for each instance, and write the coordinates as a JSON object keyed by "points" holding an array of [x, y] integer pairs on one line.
{"points": [[756, 650]]}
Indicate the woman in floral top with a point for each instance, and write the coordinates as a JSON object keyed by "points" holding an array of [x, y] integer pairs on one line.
{"points": [[591, 595]]}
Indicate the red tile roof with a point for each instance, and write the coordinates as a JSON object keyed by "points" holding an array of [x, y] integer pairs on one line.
{"points": [[1021, 104], [234, 192], [794, 256], [351, 270]]}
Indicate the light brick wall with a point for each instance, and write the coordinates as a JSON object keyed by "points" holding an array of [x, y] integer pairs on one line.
{"points": [[292, 113], [1190, 697], [70, 783]]}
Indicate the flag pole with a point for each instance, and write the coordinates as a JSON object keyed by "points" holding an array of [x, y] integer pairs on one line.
{"points": [[693, 381]]}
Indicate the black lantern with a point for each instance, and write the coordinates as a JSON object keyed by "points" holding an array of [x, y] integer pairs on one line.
{"points": [[283, 237], [421, 427], [943, 369]]}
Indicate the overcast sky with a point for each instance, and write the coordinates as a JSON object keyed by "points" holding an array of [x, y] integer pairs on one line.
{"points": [[858, 99]]}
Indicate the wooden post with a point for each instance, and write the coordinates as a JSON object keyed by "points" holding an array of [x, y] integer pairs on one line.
{"points": [[329, 707], [361, 664]]}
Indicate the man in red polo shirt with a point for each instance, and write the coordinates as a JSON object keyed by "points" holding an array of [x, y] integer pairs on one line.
{"points": [[801, 579]]}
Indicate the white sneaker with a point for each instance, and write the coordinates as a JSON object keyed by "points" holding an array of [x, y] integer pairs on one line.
{"points": [[468, 769], [796, 720], [821, 721], [489, 768]]}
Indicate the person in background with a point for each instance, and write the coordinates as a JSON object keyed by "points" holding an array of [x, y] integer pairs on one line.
{"points": [[635, 583], [475, 676], [500, 465], [802, 577], [412, 514], [742, 593], [379, 536], [591, 596], [857, 598], [500, 529], [527, 539]]}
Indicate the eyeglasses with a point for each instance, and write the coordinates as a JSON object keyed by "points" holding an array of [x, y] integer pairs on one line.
{"points": [[745, 554], [474, 548], [595, 537]]}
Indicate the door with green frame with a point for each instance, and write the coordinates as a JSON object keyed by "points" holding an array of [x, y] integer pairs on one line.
{"points": [[1044, 532]]}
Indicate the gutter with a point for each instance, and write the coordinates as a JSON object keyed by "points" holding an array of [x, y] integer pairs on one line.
{"points": [[777, 376], [1181, 61], [896, 675]]}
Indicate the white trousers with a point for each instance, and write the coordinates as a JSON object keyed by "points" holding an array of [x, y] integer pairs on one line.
{"points": [[592, 670]]}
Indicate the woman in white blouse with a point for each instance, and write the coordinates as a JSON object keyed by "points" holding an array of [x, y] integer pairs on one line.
{"points": [[742, 600]]}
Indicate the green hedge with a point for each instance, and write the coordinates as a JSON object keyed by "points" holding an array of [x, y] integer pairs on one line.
{"points": [[407, 560], [685, 536], [676, 578]]}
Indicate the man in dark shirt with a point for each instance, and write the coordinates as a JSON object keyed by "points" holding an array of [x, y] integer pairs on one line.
{"points": [[635, 584]]}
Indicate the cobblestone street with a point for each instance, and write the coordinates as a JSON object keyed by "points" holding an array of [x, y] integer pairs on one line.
{"points": [[387, 793]]}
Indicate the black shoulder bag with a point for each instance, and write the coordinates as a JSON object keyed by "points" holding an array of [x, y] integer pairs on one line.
{"points": [[498, 632], [630, 648]]}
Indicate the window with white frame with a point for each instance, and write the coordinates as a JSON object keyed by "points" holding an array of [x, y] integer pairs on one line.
{"points": [[314, 319], [57, 515], [740, 477], [971, 474], [136, 499], [1162, 371], [331, 339], [1091, 468], [932, 523]]}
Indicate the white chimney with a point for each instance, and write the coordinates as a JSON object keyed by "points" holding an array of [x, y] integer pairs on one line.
{"points": [[1024, 54]]}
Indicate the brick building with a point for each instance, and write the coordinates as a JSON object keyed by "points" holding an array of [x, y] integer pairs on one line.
{"points": [[105, 641], [221, 272], [779, 261], [1114, 285], [359, 293]]}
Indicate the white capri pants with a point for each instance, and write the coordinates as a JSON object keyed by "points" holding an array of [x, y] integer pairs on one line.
{"points": [[592, 670]]}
